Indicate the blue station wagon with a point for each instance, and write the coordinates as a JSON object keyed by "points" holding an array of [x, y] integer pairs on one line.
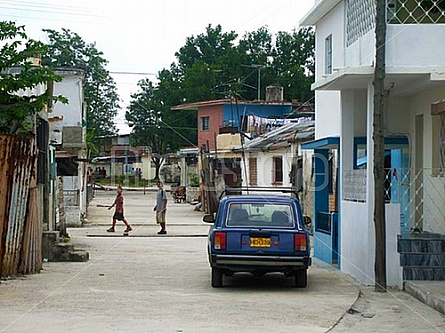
{"points": [[258, 234]]}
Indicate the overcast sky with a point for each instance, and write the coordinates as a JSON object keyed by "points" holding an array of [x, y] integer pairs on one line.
{"points": [[143, 36]]}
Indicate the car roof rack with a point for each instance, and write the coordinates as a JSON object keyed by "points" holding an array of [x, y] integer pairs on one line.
{"points": [[248, 189]]}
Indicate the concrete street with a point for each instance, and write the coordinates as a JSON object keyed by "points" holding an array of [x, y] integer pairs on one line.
{"points": [[151, 283]]}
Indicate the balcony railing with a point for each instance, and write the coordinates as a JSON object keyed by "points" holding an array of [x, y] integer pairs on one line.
{"points": [[416, 12], [420, 194], [360, 15]]}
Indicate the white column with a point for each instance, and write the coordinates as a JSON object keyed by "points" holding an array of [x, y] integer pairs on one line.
{"points": [[348, 226], [347, 131], [370, 189]]}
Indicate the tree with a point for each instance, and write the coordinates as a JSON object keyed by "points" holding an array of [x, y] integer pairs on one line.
{"points": [[210, 47], [294, 64], [153, 123], [379, 159], [17, 73], [213, 66], [67, 49]]}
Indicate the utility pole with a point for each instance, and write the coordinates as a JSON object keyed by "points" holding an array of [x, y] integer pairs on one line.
{"points": [[259, 83], [379, 159]]}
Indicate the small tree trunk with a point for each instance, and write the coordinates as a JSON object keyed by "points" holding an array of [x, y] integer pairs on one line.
{"points": [[379, 159], [157, 161]]}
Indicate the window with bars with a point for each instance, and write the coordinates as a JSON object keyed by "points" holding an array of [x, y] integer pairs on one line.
{"points": [[277, 170], [205, 123]]}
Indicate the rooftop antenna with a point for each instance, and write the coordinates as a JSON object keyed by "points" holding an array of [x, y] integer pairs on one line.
{"points": [[259, 67]]}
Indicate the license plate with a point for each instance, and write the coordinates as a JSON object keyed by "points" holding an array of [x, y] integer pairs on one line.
{"points": [[259, 242]]}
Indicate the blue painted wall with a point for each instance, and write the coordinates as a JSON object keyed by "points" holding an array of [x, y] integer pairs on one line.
{"points": [[232, 111], [400, 186]]}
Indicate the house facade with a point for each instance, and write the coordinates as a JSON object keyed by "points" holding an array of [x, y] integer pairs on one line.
{"points": [[67, 135], [231, 116], [275, 161], [226, 124], [414, 131]]}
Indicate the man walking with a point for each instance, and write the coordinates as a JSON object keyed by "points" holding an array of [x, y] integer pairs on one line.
{"points": [[161, 207], [119, 212]]}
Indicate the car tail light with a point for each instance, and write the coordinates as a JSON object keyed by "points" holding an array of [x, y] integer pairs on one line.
{"points": [[300, 242], [219, 242]]}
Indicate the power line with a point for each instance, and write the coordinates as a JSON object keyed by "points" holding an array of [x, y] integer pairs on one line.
{"points": [[131, 73], [49, 19], [36, 4], [49, 11]]}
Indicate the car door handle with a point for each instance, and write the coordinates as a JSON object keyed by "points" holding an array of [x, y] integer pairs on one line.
{"points": [[259, 233]]}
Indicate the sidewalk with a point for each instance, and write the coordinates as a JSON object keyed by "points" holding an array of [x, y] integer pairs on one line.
{"points": [[432, 293]]}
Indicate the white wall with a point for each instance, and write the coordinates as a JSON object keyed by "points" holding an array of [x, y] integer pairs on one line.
{"points": [[361, 52], [328, 115], [355, 247], [265, 167], [360, 113], [398, 117], [417, 45], [71, 88], [358, 243], [327, 103], [148, 170]]}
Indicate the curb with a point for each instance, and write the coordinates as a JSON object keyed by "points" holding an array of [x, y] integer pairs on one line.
{"points": [[147, 236], [425, 296]]}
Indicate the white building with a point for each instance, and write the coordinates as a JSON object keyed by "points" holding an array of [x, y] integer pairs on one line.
{"points": [[414, 131], [68, 135]]}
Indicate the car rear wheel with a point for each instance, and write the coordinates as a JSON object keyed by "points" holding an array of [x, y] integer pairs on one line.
{"points": [[301, 278], [217, 277]]}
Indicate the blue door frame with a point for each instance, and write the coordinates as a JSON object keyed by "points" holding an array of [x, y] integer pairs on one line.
{"points": [[326, 223]]}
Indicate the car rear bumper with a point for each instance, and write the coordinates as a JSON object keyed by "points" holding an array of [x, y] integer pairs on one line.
{"points": [[224, 260]]}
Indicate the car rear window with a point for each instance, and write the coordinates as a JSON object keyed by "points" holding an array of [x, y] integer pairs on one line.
{"points": [[264, 215]]}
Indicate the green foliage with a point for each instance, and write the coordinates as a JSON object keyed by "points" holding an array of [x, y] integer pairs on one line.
{"points": [[209, 48], [212, 66], [194, 179], [154, 124], [68, 49], [18, 74], [294, 63]]}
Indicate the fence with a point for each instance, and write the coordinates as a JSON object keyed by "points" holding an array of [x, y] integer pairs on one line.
{"points": [[20, 232], [416, 12], [420, 193]]}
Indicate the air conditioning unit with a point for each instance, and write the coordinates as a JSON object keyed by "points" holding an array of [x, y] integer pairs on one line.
{"points": [[72, 136]]}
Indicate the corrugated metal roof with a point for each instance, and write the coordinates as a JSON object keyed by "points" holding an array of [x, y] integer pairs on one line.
{"points": [[282, 136]]}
